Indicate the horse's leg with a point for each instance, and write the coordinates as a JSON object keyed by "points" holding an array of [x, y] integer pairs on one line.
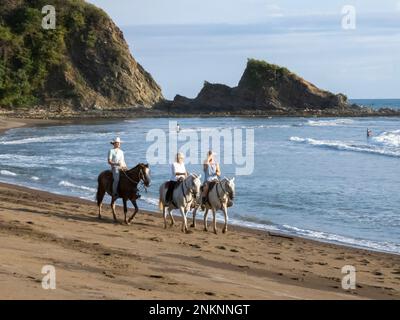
{"points": [[184, 222], [100, 205], [100, 196], [205, 220], [134, 213], [113, 208], [171, 216], [225, 210], [193, 225], [125, 210], [164, 212], [215, 220]]}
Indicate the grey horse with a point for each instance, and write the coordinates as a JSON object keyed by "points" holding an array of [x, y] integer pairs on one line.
{"points": [[183, 198], [218, 198]]}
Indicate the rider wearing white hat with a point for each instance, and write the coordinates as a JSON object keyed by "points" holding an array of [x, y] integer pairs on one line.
{"points": [[117, 162]]}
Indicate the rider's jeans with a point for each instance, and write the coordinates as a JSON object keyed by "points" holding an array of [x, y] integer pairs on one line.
{"points": [[115, 173]]}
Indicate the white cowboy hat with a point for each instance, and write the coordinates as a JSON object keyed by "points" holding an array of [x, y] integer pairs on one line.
{"points": [[117, 139]]}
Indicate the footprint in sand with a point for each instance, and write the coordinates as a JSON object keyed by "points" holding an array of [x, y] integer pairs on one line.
{"points": [[109, 275], [156, 276], [156, 239]]}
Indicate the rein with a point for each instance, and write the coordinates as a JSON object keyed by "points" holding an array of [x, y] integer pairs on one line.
{"points": [[223, 190], [183, 191], [133, 181]]}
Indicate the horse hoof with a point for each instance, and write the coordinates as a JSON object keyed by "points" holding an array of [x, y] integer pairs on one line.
{"points": [[193, 225], [205, 229], [225, 231], [215, 231]]}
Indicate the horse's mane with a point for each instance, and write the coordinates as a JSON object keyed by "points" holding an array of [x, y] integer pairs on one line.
{"points": [[136, 167]]}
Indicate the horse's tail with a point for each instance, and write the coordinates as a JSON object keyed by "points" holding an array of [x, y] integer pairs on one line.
{"points": [[160, 202]]}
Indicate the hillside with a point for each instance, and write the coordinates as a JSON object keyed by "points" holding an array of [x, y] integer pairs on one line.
{"points": [[84, 64]]}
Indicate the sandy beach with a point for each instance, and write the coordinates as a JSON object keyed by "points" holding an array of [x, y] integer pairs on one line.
{"points": [[99, 259], [102, 260]]}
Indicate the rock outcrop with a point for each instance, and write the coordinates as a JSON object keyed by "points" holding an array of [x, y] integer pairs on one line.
{"points": [[263, 88], [84, 64]]}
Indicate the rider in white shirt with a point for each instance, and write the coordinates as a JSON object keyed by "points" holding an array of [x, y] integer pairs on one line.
{"points": [[116, 160], [178, 174]]}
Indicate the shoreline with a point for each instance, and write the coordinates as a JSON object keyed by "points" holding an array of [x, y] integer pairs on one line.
{"points": [[38, 228], [145, 261], [17, 123], [199, 222], [157, 111]]}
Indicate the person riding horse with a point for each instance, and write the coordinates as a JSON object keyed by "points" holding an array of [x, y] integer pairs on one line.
{"points": [[116, 160], [179, 173], [212, 173]]}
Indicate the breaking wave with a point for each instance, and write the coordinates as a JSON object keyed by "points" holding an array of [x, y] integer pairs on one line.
{"points": [[8, 173], [390, 139], [348, 146], [330, 123], [74, 186]]}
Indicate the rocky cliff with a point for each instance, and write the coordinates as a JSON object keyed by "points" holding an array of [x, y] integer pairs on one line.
{"points": [[83, 64], [263, 88]]}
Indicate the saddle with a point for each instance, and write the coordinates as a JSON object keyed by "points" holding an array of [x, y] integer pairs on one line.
{"points": [[122, 176], [171, 186], [211, 185]]}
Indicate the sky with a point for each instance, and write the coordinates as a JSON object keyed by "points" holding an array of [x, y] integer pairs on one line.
{"points": [[183, 43]]}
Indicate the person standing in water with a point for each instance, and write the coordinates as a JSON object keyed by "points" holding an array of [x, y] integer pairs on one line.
{"points": [[116, 160], [178, 128], [369, 133]]}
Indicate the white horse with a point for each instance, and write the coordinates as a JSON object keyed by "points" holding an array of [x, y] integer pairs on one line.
{"points": [[183, 197], [218, 198]]}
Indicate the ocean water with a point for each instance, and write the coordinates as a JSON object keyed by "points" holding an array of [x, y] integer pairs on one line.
{"points": [[317, 178], [378, 103]]}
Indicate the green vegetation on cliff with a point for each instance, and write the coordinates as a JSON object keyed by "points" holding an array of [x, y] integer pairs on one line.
{"points": [[69, 64], [258, 72]]}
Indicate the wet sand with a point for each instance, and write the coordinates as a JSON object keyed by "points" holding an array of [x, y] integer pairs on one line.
{"points": [[100, 259]]}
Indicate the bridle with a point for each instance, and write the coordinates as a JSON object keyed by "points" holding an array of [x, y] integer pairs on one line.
{"points": [[229, 193], [137, 183], [192, 192]]}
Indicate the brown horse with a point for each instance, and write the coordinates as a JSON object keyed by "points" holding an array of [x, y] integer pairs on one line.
{"points": [[127, 189]]}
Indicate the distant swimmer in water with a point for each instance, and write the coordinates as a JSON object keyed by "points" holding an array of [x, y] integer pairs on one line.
{"points": [[178, 128], [369, 133]]}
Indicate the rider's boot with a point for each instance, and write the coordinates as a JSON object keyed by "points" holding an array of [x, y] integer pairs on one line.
{"points": [[203, 203]]}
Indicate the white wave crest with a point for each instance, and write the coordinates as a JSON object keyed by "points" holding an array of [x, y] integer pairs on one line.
{"points": [[390, 138], [329, 123], [74, 186], [8, 173], [151, 201], [330, 237], [346, 146], [53, 138]]}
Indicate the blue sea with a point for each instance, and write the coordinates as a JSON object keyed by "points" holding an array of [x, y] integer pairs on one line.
{"points": [[316, 178], [378, 103]]}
